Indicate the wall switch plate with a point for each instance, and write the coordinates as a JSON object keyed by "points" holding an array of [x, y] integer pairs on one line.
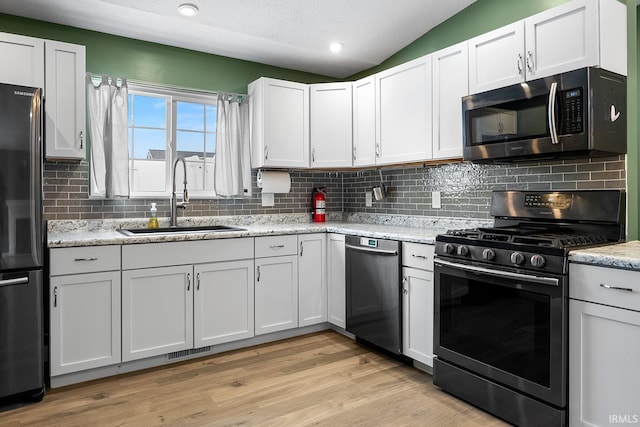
{"points": [[268, 199], [368, 199], [436, 203]]}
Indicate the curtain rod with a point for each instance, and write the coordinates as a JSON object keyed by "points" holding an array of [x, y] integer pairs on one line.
{"points": [[166, 86]]}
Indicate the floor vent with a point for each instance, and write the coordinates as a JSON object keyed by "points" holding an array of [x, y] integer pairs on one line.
{"points": [[185, 353]]}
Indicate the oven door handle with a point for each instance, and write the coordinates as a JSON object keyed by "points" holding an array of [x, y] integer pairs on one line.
{"points": [[498, 273]]}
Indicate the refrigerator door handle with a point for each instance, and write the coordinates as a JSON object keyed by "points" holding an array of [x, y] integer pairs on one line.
{"points": [[36, 189], [17, 281]]}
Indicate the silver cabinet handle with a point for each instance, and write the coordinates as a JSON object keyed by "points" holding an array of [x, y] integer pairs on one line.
{"points": [[188, 281], [419, 256], [301, 248], [55, 296], [81, 139], [198, 282], [377, 150], [519, 63], [404, 283], [276, 246], [17, 281], [354, 152], [266, 152], [86, 259], [313, 155], [258, 279], [530, 60], [617, 288]]}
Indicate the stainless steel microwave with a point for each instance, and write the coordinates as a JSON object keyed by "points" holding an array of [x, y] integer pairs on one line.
{"points": [[575, 114]]}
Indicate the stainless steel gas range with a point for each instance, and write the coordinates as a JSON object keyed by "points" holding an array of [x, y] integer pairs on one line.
{"points": [[501, 300]]}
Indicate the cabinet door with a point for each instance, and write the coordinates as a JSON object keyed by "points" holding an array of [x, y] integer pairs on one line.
{"points": [[223, 302], [331, 129], [157, 311], [85, 321], [364, 122], [280, 123], [312, 279], [22, 60], [65, 100], [604, 349], [417, 315], [496, 58], [561, 39], [403, 112], [450, 84], [276, 293], [336, 298]]}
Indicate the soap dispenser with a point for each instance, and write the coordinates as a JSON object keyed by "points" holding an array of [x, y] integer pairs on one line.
{"points": [[153, 221]]}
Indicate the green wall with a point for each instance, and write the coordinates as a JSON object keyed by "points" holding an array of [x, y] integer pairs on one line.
{"points": [[152, 62]]}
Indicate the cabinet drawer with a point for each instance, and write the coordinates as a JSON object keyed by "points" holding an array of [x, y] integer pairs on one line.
{"points": [[190, 252], [589, 283], [89, 259], [276, 245], [417, 255]]}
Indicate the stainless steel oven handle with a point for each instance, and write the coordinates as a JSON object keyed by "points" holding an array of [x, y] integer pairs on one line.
{"points": [[552, 113], [498, 273], [372, 250], [18, 281]]}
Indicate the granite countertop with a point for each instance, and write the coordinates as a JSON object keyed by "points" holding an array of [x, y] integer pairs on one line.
{"points": [[621, 255], [94, 233]]}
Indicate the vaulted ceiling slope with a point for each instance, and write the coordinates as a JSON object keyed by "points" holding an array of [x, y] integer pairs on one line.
{"points": [[293, 34]]}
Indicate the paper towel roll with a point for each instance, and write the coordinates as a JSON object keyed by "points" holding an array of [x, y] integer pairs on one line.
{"points": [[274, 182]]}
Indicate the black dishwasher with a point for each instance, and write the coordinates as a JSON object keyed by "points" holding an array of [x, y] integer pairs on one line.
{"points": [[373, 291]]}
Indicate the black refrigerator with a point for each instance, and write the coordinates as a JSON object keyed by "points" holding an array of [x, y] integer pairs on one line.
{"points": [[21, 245]]}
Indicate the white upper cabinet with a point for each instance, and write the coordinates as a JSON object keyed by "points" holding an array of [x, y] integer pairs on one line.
{"points": [[496, 58], [450, 84], [331, 128], [403, 112], [364, 122], [64, 100], [279, 123], [577, 34], [22, 60]]}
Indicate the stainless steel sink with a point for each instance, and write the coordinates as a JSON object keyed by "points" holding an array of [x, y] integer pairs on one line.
{"points": [[179, 230]]}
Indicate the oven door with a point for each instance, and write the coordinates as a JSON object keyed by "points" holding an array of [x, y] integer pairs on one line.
{"points": [[505, 326]]}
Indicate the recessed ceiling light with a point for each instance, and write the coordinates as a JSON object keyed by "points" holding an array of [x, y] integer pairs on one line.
{"points": [[188, 9], [335, 47]]}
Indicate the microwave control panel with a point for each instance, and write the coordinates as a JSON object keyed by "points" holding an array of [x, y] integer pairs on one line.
{"points": [[572, 106]]}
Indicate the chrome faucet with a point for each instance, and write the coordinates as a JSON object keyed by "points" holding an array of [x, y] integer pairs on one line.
{"points": [[185, 195]]}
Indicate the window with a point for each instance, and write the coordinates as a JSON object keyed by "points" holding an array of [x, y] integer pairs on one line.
{"points": [[165, 125]]}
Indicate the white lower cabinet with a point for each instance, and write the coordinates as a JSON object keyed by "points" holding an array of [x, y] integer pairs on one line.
{"points": [[312, 279], [336, 289], [276, 283], [604, 346], [85, 321], [223, 302], [417, 302], [157, 311], [84, 309]]}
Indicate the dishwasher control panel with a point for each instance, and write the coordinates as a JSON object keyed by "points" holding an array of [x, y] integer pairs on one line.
{"points": [[372, 243]]}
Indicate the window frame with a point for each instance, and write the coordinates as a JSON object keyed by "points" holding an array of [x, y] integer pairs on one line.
{"points": [[172, 97]]}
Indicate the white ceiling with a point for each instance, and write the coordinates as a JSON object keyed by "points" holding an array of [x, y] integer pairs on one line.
{"points": [[292, 34]]}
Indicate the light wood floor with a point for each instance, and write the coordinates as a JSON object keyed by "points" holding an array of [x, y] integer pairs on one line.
{"points": [[319, 379]]}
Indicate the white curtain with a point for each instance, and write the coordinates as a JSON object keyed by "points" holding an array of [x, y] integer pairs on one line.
{"points": [[107, 103], [233, 156]]}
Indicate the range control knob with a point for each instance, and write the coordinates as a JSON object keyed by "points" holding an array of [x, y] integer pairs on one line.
{"points": [[517, 258], [538, 261], [489, 254], [463, 250], [449, 248]]}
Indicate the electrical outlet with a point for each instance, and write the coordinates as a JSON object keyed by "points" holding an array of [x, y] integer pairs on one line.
{"points": [[436, 203], [368, 202]]}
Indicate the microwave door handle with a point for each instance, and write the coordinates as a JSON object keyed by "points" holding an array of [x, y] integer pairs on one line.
{"points": [[552, 112]]}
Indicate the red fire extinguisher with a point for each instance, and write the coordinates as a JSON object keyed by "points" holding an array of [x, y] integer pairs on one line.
{"points": [[318, 204]]}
